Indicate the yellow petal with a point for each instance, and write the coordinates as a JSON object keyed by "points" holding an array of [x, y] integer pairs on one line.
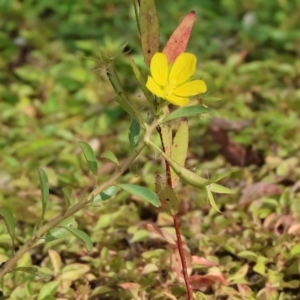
{"points": [[191, 88], [179, 101], [159, 68], [184, 67], [153, 87]]}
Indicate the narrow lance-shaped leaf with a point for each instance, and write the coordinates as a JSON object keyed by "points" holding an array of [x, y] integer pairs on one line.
{"points": [[167, 196], [44, 189], [149, 29], [110, 155], [141, 192], [9, 221], [211, 200], [133, 135], [219, 177], [180, 148], [90, 157], [217, 188], [136, 13], [81, 236], [187, 111], [179, 38]]}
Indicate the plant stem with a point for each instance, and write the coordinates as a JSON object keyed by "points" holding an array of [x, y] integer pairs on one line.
{"points": [[177, 229], [78, 206], [182, 258]]}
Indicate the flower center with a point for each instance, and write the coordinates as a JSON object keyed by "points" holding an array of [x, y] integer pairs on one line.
{"points": [[170, 87]]}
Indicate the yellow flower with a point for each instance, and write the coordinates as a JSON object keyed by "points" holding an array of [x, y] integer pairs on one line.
{"points": [[175, 85]]}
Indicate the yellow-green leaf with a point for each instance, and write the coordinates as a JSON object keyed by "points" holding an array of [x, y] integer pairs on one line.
{"points": [[9, 221], [90, 157], [44, 189], [149, 26], [211, 200], [180, 148], [110, 155]]}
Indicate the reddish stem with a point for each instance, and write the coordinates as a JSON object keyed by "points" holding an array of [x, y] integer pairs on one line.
{"points": [[177, 228], [182, 258]]}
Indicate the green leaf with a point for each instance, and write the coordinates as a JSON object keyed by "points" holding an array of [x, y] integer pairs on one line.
{"points": [[81, 236], [45, 190], [249, 255], [187, 111], [9, 221], [141, 192], [219, 189], [239, 276], [149, 26], [106, 194], [34, 271], [90, 157], [48, 289], [186, 175], [109, 155], [260, 266], [219, 177], [133, 135], [67, 196], [60, 232], [211, 200], [180, 148], [295, 251]]}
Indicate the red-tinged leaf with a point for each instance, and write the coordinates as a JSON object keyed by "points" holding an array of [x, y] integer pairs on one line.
{"points": [[197, 260], [244, 290], [215, 274], [180, 148], [168, 237], [149, 27], [257, 191], [179, 38], [129, 285], [200, 281]]}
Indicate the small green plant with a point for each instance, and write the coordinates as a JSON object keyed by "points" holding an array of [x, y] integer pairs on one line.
{"points": [[169, 81]]}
